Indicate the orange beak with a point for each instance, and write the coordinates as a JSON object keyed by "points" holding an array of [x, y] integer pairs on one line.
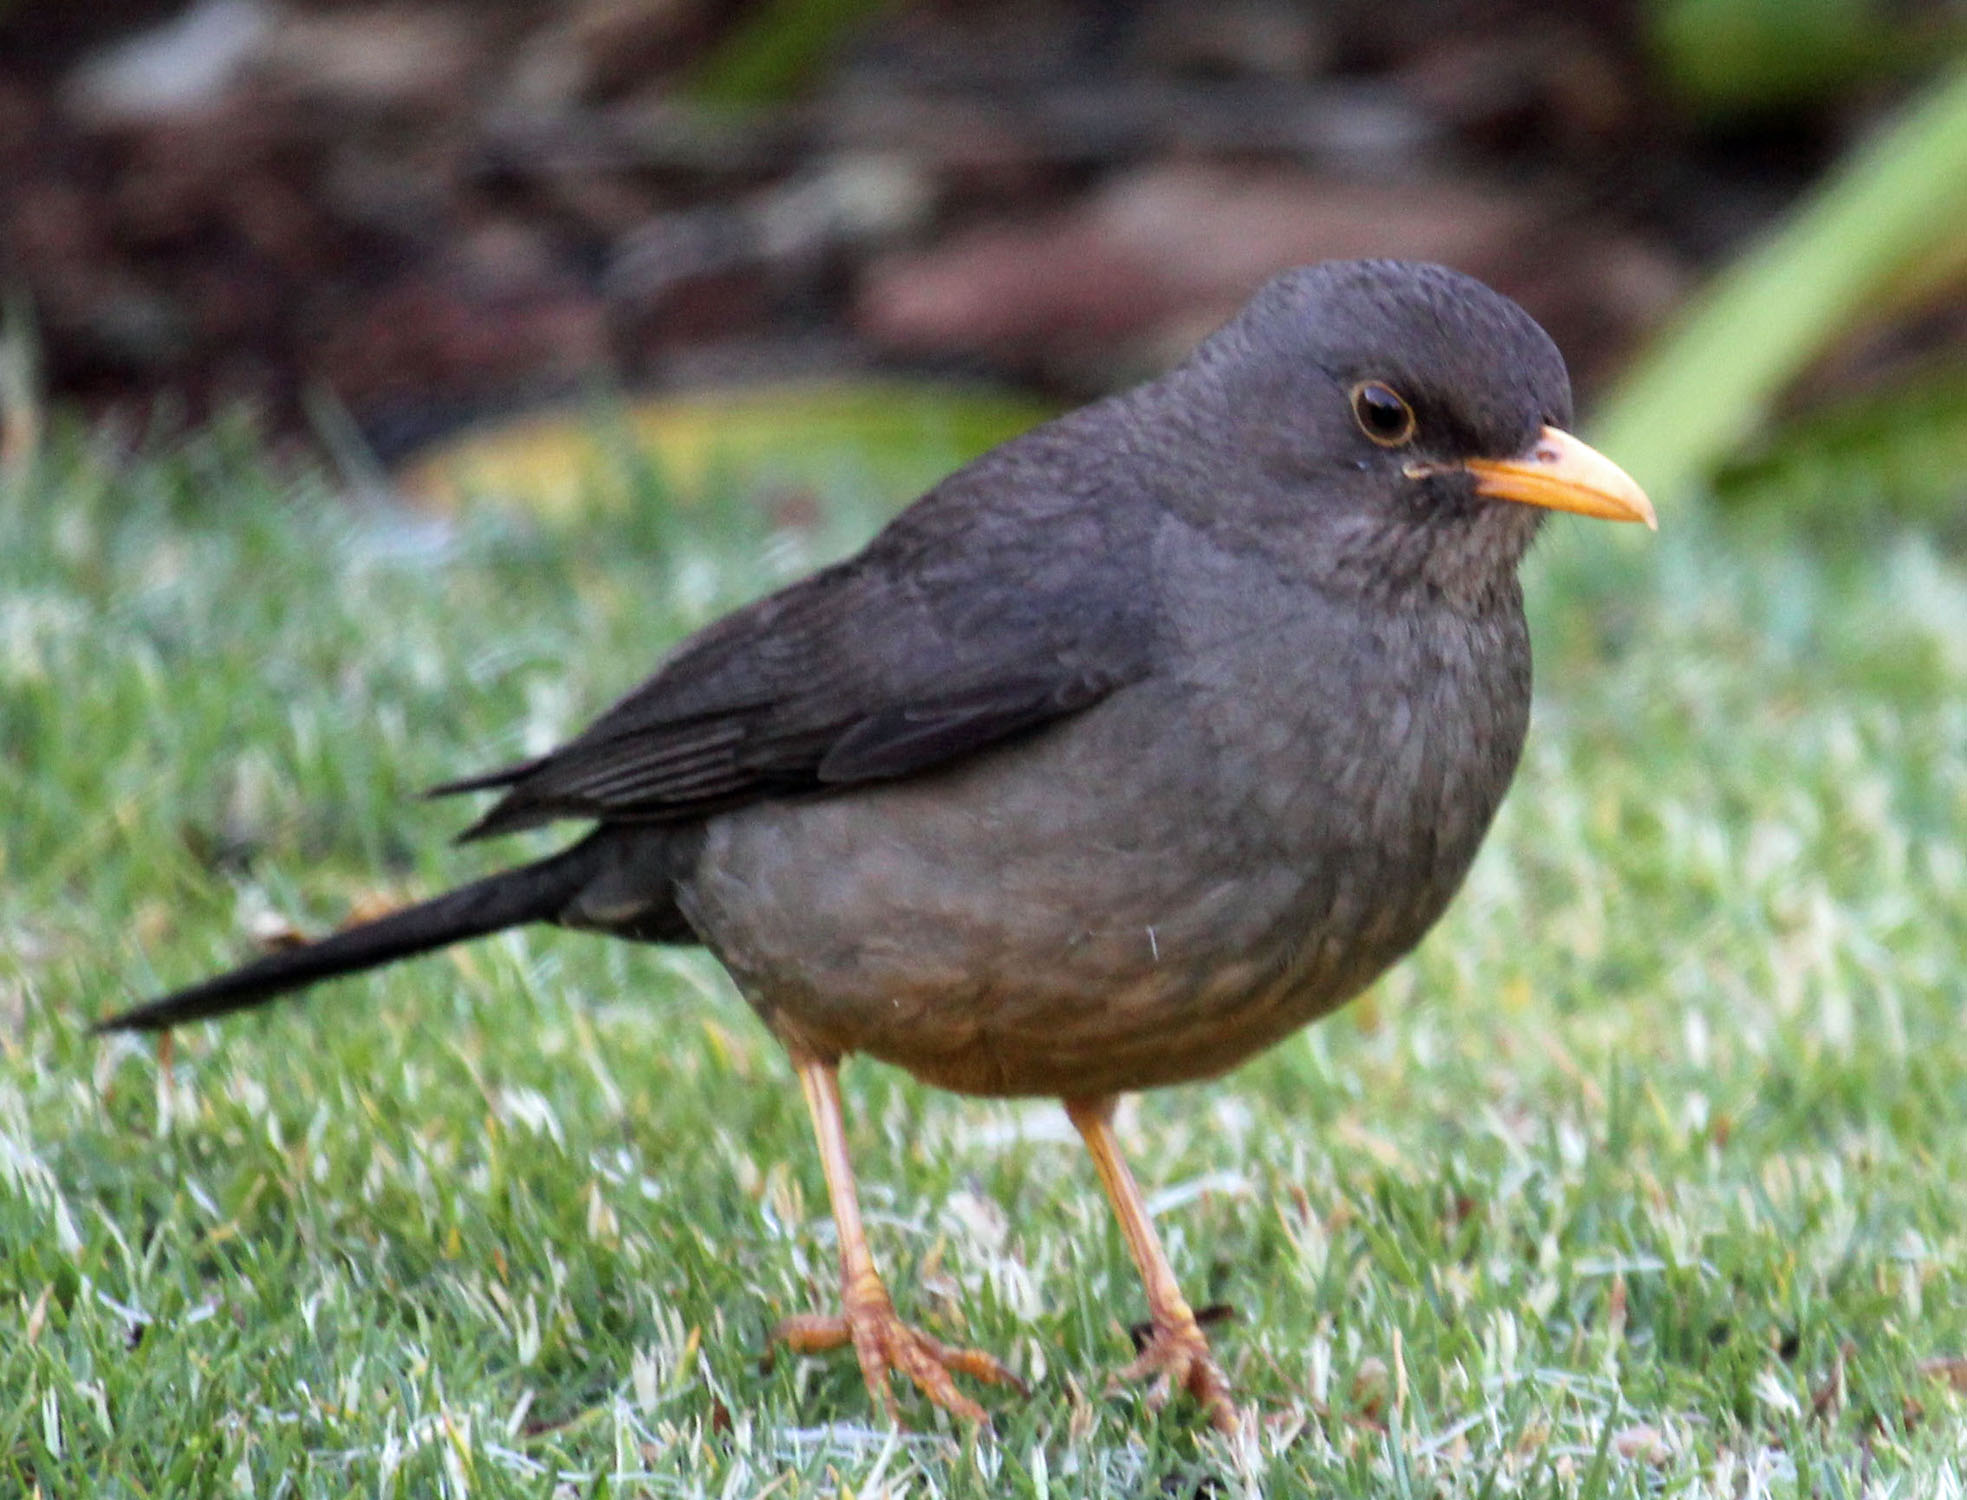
{"points": [[1561, 473]]}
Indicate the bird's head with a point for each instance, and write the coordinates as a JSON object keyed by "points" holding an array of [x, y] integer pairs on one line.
{"points": [[1418, 418]]}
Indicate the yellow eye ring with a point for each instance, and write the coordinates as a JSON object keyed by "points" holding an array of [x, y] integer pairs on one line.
{"points": [[1382, 414]]}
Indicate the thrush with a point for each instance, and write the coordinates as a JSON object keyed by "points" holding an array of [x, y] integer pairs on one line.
{"points": [[1124, 752]]}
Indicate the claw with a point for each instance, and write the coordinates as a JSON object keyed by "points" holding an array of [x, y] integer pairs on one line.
{"points": [[1175, 1357], [883, 1342]]}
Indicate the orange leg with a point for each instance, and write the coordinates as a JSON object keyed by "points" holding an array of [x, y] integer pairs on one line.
{"points": [[1177, 1354], [867, 1318]]}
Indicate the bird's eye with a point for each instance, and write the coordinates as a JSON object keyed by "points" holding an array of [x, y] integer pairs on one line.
{"points": [[1382, 415]]}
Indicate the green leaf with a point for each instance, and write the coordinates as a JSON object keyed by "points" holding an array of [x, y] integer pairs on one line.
{"points": [[1890, 223]]}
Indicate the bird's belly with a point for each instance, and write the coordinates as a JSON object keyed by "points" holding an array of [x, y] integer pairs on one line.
{"points": [[1025, 924]]}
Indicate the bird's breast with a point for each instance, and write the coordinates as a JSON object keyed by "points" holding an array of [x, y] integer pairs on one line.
{"points": [[1147, 892]]}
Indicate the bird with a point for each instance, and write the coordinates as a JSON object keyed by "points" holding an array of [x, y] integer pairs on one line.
{"points": [[1127, 750]]}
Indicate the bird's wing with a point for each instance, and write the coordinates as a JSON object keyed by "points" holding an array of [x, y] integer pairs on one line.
{"points": [[934, 643]]}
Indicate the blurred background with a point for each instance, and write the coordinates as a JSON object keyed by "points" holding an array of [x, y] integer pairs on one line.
{"points": [[383, 225]]}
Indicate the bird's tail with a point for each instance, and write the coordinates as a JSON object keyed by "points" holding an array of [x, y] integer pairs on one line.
{"points": [[531, 893]]}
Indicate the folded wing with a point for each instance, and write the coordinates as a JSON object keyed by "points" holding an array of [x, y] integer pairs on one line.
{"points": [[927, 647]]}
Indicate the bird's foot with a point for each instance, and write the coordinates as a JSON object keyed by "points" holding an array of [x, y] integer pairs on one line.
{"points": [[883, 1342], [1175, 1354]]}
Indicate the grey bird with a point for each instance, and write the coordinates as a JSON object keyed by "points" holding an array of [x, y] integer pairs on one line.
{"points": [[1126, 751]]}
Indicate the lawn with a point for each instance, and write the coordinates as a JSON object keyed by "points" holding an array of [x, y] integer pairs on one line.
{"points": [[1647, 1175]]}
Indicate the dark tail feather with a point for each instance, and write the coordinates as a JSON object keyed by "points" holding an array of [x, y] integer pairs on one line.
{"points": [[487, 781], [532, 893]]}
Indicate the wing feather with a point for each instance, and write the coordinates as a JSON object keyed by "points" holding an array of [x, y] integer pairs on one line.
{"points": [[938, 641]]}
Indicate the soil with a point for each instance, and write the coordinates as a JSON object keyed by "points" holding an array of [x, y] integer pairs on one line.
{"points": [[426, 212]]}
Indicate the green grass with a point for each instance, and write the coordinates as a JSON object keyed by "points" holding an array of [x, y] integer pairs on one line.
{"points": [[1646, 1176]]}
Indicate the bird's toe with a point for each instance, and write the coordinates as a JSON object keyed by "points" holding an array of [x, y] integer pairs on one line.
{"points": [[1179, 1358], [883, 1343]]}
